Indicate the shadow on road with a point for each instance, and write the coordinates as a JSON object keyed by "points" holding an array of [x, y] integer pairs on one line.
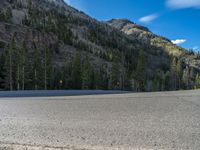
{"points": [[44, 93]]}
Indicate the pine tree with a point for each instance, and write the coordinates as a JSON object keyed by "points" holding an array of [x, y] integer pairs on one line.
{"points": [[141, 72], [115, 75], [101, 78], [37, 69], [167, 80], [97, 80], [76, 72], [179, 71], [24, 63], [186, 76], [8, 14], [67, 76], [2, 72], [87, 73], [197, 80], [122, 72], [18, 67], [9, 65], [173, 71], [47, 67]]}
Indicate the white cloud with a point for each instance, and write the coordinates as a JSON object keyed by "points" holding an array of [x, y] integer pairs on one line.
{"points": [[179, 41], [196, 48], [148, 19], [179, 4]]}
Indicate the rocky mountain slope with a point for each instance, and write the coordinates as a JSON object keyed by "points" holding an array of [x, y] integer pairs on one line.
{"points": [[147, 37], [46, 44]]}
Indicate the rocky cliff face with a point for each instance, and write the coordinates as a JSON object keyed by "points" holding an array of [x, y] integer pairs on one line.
{"points": [[118, 52]]}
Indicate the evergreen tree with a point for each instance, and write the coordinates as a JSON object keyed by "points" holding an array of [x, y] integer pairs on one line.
{"points": [[76, 73], [133, 80], [9, 65], [18, 67], [87, 74], [49, 67], [197, 80], [46, 66], [186, 76], [24, 63], [179, 71], [141, 72], [167, 80], [115, 75], [101, 79], [97, 80], [68, 76], [2, 72], [122, 72], [173, 71], [191, 78], [8, 14], [158, 80], [37, 69]]}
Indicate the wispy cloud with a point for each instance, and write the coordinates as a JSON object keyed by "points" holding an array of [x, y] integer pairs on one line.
{"points": [[196, 48], [180, 4], [179, 41], [148, 19]]}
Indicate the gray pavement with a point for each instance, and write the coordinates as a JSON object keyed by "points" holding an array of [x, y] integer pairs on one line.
{"points": [[166, 120]]}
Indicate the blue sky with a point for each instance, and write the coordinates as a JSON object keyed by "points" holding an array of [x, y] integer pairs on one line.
{"points": [[178, 20]]}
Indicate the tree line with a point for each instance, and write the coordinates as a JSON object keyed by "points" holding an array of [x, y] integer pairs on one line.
{"points": [[25, 69]]}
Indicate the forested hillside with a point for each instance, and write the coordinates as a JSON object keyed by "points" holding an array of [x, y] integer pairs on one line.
{"points": [[46, 44]]}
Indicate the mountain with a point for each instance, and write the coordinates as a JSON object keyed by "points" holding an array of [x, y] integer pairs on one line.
{"points": [[144, 35], [47, 44]]}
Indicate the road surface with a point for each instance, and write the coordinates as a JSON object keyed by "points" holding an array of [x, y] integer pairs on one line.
{"points": [[143, 121]]}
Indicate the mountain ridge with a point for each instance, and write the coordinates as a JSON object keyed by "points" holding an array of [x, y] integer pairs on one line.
{"points": [[121, 23]]}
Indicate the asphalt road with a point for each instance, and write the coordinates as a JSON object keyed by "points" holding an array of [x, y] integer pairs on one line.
{"points": [[168, 121]]}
